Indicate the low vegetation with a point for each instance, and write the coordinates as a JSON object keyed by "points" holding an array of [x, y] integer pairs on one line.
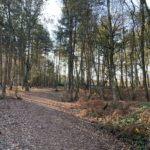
{"points": [[128, 121]]}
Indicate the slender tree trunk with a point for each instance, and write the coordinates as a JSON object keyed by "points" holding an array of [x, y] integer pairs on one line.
{"points": [[5, 71], [121, 71], [142, 41], [77, 81], [82, 82], [10, 69], [27, 63], [133, 57], [126, 70], [1, 57], [132, 77], [26, 80], [15, 68], [70, 59], [111, 54]]}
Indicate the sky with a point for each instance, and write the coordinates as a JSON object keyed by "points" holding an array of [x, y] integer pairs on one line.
{"points": [[52, 13]]}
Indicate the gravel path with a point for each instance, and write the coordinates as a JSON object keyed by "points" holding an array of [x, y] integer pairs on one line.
{"points": [[26, 125]]}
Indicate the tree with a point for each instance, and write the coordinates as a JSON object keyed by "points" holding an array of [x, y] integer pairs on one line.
{"points": [[142, 43], [19, 20]]}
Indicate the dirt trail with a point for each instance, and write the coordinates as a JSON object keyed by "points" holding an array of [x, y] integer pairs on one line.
{"points": [[42, 122]]}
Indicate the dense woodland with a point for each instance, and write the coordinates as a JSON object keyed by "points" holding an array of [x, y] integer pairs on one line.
{"points": [[97, 67], [107, 46], [24, 45], [99, 45]]}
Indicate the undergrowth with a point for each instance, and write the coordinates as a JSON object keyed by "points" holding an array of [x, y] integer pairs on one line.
{"points": [[133, 127]]}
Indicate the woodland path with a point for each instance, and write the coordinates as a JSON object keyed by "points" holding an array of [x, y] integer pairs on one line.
{"points": [[42, 122]]}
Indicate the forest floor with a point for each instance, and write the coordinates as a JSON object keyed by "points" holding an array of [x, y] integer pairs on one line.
{"points": [[42, 121]]}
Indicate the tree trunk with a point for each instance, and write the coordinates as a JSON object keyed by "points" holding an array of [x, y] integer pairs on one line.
{"points": [[5, 72], [70, 59], [1, 57], [142, 43], [111, 54]]}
